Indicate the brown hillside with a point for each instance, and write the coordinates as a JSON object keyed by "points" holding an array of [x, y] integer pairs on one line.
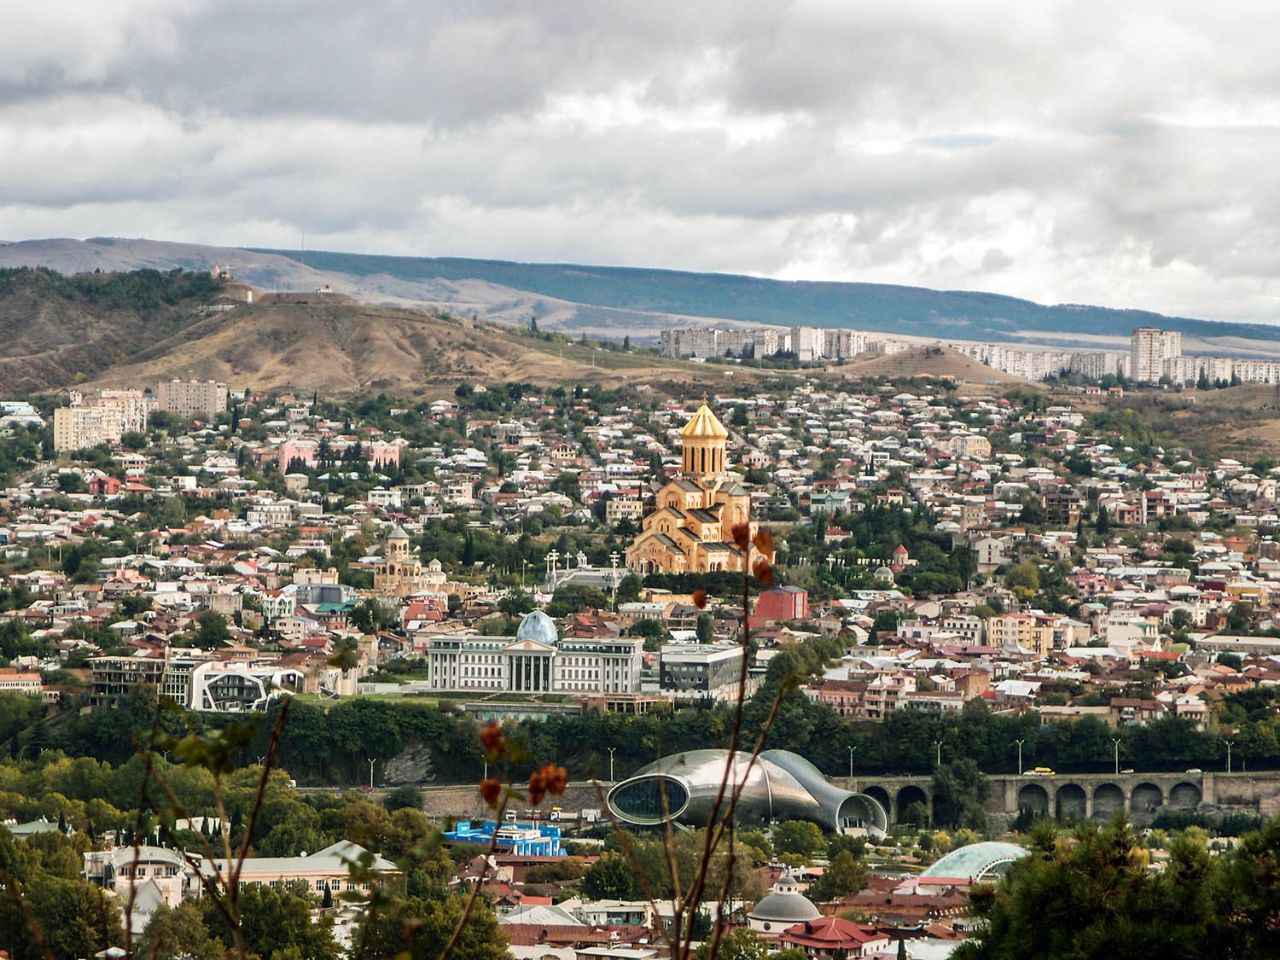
{"points": [[305, 344], [57, 331], [934, 362]]}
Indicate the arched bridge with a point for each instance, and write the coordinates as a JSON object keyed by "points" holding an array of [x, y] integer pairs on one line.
{"points": [[1085, 796]]}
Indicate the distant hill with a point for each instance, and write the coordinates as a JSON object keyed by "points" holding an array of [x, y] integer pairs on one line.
{"points": [[915, 311], [618, 301]]}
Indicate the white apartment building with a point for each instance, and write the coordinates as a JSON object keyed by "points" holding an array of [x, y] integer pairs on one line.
{"points": [[623, 508], [100, 417], [270, 514], [132, 406], [77, 428], [808, 343], [192, 399], [843, 344], [716, 342], [1094, 364], [1149, 348]]}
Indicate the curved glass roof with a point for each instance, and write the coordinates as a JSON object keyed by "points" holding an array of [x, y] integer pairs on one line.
{"points": [[977, 861], [538, 626]]}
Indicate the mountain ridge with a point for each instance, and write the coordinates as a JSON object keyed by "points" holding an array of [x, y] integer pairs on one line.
{"points": [[639, 301]]}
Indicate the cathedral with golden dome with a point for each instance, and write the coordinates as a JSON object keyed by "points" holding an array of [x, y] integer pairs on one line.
{"points": [[689, 529]]}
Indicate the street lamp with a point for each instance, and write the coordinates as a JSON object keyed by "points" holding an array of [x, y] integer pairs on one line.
{"points": [[372, 761], [1019, 743], [611, 749], [1116, 742], [851, 749], [937, 746], [613, 562], [485, 757], [523, 568], [1230, 743]]}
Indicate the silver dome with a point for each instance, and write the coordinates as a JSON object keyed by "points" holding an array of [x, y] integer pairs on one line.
{"points": [[785, 904], [539, 627]]}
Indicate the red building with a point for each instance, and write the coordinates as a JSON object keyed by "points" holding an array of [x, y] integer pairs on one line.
{"points": [[781, 603], [829, 937], [104, 486]]}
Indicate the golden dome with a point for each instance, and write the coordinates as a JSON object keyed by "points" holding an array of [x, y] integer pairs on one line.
{"points": [[704, 425]]}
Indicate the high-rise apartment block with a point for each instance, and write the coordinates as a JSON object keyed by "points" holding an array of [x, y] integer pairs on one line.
{"points": [[77, 428], [807, 343], [100, 417], [192, 399], [1149, 348], [715, 342], [843, 344]]}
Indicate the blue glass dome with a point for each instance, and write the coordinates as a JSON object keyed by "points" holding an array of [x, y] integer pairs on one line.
{"points": [[538, 626]]}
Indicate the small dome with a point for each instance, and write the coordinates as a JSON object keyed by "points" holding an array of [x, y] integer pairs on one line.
{"points": [[785, 904], [539, 627]]}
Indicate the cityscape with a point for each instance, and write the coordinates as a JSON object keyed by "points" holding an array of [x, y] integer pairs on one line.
{"points": [[608, 482]]}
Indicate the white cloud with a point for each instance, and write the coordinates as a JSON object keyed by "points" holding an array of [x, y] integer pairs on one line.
{"points": [[1077, 151]]}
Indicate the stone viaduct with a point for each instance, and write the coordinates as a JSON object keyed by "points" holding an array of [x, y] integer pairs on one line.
{"points": [[1096, 796], [1074, 796]]}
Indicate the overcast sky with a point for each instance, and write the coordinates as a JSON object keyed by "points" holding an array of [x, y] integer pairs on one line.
{"points": [[1123, 153]]}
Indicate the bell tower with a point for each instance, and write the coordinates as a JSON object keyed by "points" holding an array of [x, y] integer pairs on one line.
{"points": [[704, 440]]}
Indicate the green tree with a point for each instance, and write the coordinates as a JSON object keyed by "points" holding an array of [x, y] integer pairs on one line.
{"points": [[856, 846], [844, 875], [706, 628], [75, 918], [416, 929], [275, 922], [1102, 523], [179, 932], [1240, 617], [1023, 579], [516, 603], [739, 944], [612, 877], [1246, 897], [1093, 897], [960, 791], [798, 837], [213, 631], [403, 798], [629, 588]]}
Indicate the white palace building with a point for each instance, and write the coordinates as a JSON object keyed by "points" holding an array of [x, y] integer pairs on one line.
{"points": [[535, 660]]}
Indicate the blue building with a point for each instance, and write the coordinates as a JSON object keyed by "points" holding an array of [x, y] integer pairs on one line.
{"points": [[522, 839]]}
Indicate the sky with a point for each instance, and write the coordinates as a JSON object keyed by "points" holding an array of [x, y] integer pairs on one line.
{"points": [[1125, 154]]}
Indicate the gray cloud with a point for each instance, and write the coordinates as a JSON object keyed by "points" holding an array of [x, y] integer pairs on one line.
{"points": [[1076, 151]]}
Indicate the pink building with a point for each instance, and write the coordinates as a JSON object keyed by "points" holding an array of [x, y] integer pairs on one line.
{"points": [[305, 450], [383, 454]]}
